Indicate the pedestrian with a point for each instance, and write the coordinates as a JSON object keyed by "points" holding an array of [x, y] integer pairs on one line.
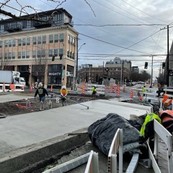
{"points": [[42, 92], [63, 93], [94, 91], [160, 90]]}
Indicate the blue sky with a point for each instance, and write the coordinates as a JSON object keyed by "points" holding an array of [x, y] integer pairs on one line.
{"points": [[130, 34]]}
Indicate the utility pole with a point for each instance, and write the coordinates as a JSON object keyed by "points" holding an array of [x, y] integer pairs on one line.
{"points": [[151, 72], [167, 60]]}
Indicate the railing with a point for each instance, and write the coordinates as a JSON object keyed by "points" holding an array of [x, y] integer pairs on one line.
{"points": [[92, 164], [166, 136], [116, 146], [6, 87]]}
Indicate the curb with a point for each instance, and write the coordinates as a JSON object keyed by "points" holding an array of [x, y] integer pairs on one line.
{"points": [[33, 157]]}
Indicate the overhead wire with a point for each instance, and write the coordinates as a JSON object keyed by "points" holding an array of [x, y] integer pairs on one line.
{"points": [[142, 11]]}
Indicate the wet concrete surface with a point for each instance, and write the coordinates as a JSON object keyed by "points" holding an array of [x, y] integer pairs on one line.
{"points": [[20, 131]]}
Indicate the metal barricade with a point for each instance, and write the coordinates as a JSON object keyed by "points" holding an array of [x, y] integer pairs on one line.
{"points": [[166, 136], [116, 146]]}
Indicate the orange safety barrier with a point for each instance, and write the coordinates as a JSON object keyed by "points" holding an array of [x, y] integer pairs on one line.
{"points": [[166, 101], [131, 94], [83, 87], [12, 87], [118, 90]]}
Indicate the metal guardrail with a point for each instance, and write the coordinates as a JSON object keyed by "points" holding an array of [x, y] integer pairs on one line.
{"points": [[93, 163], [166, 136], [116, 147], [6, 88]]}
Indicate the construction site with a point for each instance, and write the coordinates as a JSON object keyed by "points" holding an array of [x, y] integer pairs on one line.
{"points": [[57, 139]]}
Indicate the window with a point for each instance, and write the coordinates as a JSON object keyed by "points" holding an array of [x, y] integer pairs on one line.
{"points": [[9, 55], [50, 38], [43, 53], [9, 43], [56, 38], [34, 54], [34, 41], [28, 41], [24, 41], [50, 52], [13, 55], [27, 54], [6, 55], [61, 37], [44, 39], [28, 24], [13, 43], [19, 55], [39, 39], [1, 28], [19, 42], [68, 53], [23, 54], [1, 43], [38, 53], [56, 52], [61, 53], [6, 43]]}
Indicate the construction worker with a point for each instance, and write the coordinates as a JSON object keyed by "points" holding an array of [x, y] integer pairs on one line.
{"points": [[160, 90], [144, 90], [147, 129], [63, 93], [42, 92], [94, 91]]}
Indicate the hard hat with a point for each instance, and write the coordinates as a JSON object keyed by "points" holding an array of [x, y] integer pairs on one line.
{"points": [[40, 85], [63, 87]]}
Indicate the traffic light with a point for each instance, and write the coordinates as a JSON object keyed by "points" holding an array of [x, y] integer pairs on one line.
{"points": [[146, 65], [53, 58], [163, 65]]}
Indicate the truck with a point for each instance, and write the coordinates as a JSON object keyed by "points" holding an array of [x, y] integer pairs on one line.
{"points": [[8, 77]]}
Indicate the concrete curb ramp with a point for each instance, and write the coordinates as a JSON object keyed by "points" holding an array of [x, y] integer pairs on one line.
{"points": [[32, 157]]}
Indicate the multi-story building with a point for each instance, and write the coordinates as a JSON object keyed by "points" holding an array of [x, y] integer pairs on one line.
{"points": [[117, 69], [135, 69], [42, 47]]}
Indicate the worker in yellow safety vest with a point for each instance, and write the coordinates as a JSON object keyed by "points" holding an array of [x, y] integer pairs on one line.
{"points": [[147, 129], [63, 93]]}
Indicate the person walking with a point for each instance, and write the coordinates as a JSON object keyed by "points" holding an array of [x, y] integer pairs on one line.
{"points": [[42, 92]]}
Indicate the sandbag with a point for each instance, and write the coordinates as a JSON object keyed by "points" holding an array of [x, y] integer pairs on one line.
{"points": [[102, 132]]}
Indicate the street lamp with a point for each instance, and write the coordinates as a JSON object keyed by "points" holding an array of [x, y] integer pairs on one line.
{"points": [[77, 58]]}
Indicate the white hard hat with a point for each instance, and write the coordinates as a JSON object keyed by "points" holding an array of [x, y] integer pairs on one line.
{"points": [[40, 85], [63, 87]]}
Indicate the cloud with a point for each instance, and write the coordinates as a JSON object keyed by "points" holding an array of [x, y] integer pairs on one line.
{"points": [[117, 39]]}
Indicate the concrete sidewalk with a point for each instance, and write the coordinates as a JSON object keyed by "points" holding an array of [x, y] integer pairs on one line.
{"points": [[20, 131]]}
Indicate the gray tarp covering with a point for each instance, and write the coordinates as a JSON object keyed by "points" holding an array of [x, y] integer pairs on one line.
{"points": [[102, 132]]}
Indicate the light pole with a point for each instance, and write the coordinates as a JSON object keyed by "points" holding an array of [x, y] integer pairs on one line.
{"points": [[77, 58]]}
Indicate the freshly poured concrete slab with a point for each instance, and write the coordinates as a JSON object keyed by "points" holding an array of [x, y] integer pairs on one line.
{"points": [[12, 97], [27, 129]]}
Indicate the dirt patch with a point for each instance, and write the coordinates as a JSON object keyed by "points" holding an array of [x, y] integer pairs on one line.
{"points": [[32, 105]]}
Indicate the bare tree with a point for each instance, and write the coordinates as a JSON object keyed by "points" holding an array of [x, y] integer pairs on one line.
{"points": [[26, 10]]}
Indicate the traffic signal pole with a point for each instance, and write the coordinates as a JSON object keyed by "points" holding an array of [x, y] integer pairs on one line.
{"points": [[167, 60]]}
